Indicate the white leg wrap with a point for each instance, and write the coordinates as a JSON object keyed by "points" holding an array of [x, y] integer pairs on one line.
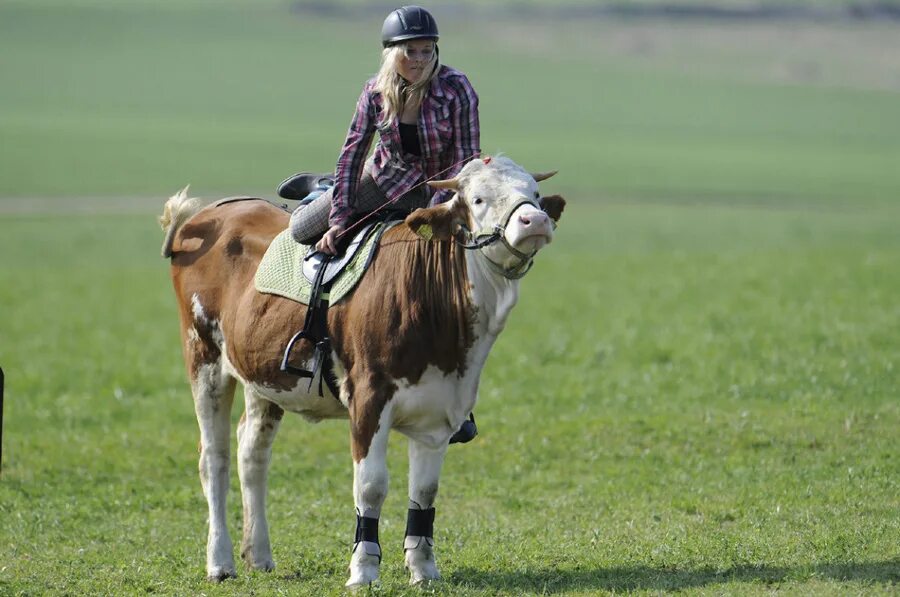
{"points": [[212, 402]]}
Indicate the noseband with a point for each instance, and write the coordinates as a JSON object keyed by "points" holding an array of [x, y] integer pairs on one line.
{"points": [[486, 237]]}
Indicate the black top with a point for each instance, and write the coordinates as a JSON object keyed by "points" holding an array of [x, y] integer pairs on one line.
{"points": [[409, 138]]}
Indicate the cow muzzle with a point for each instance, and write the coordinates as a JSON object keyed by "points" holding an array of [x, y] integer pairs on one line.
{"points": [[532, 227]]}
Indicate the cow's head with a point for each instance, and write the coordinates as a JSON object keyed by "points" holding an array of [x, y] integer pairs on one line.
{"points": [[495, 197]]}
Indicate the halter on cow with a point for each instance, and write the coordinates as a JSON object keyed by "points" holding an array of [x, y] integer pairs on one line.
{"points": [[409, 343]]}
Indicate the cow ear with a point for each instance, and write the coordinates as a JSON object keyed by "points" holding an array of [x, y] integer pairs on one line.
{"points": [[553, 205], [441, 222], [433, 223]]}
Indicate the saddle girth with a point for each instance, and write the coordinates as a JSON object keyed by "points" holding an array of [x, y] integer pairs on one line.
{"points": [[315, 331], [322, 272]]}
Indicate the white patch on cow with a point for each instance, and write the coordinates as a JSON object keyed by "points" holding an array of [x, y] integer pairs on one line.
{"points": [[304, 401], [201, 318], [493, 296], [433, 409], [256, 432], [197, 309], [213, 418]]}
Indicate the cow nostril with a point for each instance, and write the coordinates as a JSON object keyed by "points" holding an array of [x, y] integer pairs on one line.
{"points": [[524, 220]]}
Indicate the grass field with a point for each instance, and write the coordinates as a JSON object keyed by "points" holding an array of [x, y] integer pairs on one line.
{"points": [[698, 391]]}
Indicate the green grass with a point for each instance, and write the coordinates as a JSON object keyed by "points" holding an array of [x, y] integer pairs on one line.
{"points": [[698, 391], [698, 398], [138, 101]]}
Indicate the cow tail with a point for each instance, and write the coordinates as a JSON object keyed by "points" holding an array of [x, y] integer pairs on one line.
{"points": [[178, 210]]}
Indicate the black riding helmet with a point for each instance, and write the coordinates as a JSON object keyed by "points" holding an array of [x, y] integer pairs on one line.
{"points": [[406, 23]]}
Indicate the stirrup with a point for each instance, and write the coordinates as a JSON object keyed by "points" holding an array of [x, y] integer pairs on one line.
{"points": [[300, 185]]}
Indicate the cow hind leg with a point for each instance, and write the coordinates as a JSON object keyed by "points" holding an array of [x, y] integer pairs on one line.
{"points": [[424, 473], [256, 433], [370, 485], [213, 395]]}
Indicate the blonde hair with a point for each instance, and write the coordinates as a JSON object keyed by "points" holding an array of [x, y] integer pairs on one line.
{"points": [[394, 89]]}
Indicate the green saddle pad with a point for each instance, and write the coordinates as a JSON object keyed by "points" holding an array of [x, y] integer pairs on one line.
{"points": [[280, 270]]}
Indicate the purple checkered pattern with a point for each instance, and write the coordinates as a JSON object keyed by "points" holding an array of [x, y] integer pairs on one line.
{"points": [[309, 222], [448, 134]]}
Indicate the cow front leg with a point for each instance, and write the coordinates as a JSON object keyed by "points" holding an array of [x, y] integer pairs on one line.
{"points": [[370, 484], [256, 433], [213, 396], [424, 473]]}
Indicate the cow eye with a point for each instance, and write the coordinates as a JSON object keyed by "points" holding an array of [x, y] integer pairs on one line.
{"points": [[537, 195], [478, 201]]}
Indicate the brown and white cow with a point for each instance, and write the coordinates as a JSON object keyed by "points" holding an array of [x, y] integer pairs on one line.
{"points": [[409, 345]]}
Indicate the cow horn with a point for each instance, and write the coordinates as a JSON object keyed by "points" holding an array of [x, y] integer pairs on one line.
{"points": [[450, 183], [539, 176]]}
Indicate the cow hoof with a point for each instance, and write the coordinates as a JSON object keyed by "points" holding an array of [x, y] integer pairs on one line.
{"points": [[363, 573], [264, 563], [419, 559], [421, 570], [364, 564], [418, 577], [361, 580], [218, 575], [265, 566]]}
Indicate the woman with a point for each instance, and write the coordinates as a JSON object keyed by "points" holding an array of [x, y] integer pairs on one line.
{"points": [[426, 116]]}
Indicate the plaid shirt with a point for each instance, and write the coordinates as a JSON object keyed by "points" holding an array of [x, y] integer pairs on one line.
{"points": [[448, 136]]}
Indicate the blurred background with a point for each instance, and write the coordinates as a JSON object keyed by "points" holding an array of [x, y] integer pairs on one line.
{"points": [[678, 100], [698, 389]]}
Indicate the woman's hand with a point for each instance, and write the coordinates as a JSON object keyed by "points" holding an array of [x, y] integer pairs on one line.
{"points": [[328, 243]]}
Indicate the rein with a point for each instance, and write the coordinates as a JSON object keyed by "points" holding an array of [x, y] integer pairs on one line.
{"points": [[359, 222]]}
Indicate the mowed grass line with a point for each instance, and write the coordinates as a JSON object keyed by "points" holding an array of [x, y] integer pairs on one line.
{"points": [[691, 398]]}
